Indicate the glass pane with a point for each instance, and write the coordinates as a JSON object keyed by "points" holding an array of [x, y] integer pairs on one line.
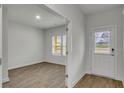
{"points": [[56, 45], [64, 46], [102, 42]]}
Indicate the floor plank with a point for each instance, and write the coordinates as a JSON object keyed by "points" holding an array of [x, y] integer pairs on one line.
{"points": [[42, 75], [47, 75], [92, 81]]}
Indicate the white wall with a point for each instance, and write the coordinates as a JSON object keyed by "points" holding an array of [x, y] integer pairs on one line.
{"points": [[0, 32], [25, 45], [76, 41], [28, 45], [123, 41], [106, 18], [0, 46], [48, 49], [4, 44]]}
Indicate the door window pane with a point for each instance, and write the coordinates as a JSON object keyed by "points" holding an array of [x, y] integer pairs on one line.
{"points": [[102, 42]]}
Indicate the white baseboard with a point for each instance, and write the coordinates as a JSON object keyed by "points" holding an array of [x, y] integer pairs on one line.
{"points": [[23, 65], [31, 63], [88, 72], [77, 80], [49, 61], [6, 79]]}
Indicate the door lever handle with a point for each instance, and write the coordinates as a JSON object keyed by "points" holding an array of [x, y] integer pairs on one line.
{"points": [[113, 51]]}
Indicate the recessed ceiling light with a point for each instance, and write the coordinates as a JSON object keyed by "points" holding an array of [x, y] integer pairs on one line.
{"points": [[38, 17]]}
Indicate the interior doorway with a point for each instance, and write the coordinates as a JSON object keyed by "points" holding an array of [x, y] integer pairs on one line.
{"points": [[30, 49]]}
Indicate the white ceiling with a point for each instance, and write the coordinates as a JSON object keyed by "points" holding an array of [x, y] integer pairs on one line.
{"points": [[25, 14], [93, 8]]}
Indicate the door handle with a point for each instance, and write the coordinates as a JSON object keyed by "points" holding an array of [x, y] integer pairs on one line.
{"points": [[113, 51]]}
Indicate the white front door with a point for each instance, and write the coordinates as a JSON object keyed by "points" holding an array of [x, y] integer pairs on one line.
{"points": [[104, 51]]}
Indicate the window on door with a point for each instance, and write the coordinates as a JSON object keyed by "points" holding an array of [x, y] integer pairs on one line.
{"points": [[59, 45], [102, 42]]}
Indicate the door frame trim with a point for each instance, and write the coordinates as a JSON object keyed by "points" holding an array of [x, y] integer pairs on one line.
{"points": [[115, 44]]}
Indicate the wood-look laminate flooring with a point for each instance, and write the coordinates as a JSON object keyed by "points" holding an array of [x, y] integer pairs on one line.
{"points": [[48, 75], [42, 75], [92, 81]]}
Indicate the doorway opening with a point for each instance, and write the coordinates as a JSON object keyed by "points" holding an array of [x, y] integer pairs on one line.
{"points": [[37, 47]]}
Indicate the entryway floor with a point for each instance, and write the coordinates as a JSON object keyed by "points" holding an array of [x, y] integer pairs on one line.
{"points": [[92, 81]]}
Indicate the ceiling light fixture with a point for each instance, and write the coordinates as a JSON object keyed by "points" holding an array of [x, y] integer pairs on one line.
{"points": [[38, 17]]}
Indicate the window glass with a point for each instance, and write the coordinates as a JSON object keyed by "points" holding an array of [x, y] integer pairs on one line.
{"points": [[102, 42], [64, 46]]}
